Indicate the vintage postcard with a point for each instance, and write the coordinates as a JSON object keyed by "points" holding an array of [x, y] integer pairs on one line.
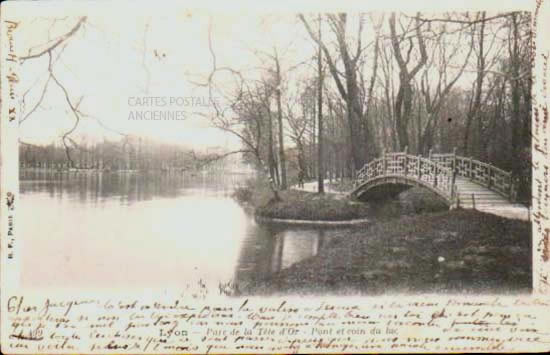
{"points": [[275, 177]]}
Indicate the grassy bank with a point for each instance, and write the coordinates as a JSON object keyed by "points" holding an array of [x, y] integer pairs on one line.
{"points": [[459, 251], [308, 206], [300, 205]]}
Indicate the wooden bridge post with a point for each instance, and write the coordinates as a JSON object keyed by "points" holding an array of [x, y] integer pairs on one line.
{"points": [[406, 168], [453, 164], [470, 172], [436, 171], [513, 188], [384, 161], [454, 167], [430, 154]]}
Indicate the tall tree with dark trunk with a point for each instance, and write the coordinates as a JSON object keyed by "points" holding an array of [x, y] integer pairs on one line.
{"points": [[320, 145], [404, 97], [475, 103], [434, 97], [266, 102], [282, 156], [348, 88], [515, 62]]}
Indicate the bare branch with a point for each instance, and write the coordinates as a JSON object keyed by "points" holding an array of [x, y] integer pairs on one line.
{"points": [[38, 103], [464, 22], [61, 39]]}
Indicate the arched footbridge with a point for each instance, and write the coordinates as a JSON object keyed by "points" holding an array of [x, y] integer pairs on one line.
{"points": [[459, 181]]}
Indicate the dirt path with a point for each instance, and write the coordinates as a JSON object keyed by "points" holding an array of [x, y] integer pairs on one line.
{"points": [[312, 187]]}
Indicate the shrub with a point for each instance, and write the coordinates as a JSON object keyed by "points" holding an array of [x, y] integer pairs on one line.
{"points": [[243, 194]]}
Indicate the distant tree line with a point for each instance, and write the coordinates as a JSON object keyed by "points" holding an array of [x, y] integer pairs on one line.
{"points": [[130, 153]]}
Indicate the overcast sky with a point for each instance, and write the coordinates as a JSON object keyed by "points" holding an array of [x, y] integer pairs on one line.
{"points": [[109, 62]]}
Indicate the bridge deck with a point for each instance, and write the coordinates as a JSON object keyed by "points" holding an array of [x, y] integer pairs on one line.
{"points": [[489, 201], [470, 192]]}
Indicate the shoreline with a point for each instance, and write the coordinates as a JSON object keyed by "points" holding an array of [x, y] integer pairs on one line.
{"points": [[308, 208], [445, 252], [343, 223]]}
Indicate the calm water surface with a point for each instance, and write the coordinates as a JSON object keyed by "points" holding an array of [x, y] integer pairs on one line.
{"points": [[105, 230]]}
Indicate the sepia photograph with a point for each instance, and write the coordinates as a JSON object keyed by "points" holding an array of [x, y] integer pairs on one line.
{"points": [[341, 153], [261, 155]]}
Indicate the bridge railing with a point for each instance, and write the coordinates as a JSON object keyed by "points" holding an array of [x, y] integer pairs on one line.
{"points": [[414, 167], [440, 170], [485, 174], [477, 171]]}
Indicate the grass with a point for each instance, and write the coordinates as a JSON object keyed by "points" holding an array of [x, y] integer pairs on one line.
{"points": [[342, 185], [298, 205], [310, 206], [459, 251], [301, 205], [415, 244], [253, 194]]}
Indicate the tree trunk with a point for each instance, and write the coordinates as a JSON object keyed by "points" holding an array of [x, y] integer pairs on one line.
{"points": [[320, 164], [270, 157], [476, 105], [403, 100], [516, 95], [282, 156]]}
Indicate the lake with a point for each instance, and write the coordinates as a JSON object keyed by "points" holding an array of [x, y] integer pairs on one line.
{"points": [[126, 230]]}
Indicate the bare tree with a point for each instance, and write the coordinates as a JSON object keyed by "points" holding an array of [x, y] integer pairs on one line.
{"points": [[251, 103], [320, 144], [403, 100], [475, 104], [47, 49], [434, 98], [347, 83], [282, 156]]}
